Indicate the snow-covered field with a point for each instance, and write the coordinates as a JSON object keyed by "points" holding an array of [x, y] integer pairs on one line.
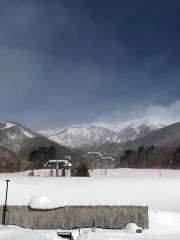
{"points": [[118, 172], [160, 190], [125, 187]]}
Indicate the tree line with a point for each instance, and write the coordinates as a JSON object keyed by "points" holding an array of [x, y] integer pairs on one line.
{"points": [[150, 157], [38, 157]]}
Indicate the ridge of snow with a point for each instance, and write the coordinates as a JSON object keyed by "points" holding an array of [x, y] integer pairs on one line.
{"points": [[28, 134], [43, 202]]}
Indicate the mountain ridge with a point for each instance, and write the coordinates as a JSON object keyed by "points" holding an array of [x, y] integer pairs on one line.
{"points": [[18, 141], [168, 136], [87, 136]]}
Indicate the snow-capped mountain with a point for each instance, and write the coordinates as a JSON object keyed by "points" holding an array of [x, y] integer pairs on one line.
{"points": [[82, 136], [151, 122], [137, 128], [13, 135], [168, 136], [17, 143]]}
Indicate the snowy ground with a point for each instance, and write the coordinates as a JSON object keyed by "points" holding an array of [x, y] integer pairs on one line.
{"points": [[163, 226], [17, 233], [160, 190]]}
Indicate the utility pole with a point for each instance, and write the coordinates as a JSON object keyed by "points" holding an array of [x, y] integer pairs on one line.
{"points": [[5, 205], [105, 166], [92, 162], [67, 168], [67, 164], [57, 168]]}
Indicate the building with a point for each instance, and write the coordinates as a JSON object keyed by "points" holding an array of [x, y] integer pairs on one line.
{"points": [[58, 164]]}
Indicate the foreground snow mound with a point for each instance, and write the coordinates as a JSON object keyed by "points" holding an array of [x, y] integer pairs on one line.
{"points": [[133, 228], [39, 201], [42, 202]]}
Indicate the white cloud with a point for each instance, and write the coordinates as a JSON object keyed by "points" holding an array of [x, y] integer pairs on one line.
{"points": [[167, 114]]}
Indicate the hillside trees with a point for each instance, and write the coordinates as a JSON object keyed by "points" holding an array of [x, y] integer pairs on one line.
{"points": [[40, 156], [150, 157], [80, 171], [128, 158], [176, 158], [141, 157]]}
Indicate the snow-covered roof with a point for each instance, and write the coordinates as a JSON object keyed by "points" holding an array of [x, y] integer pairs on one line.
{"points": [[66, 162], [57, 160], [94, 153], [108, 158]]}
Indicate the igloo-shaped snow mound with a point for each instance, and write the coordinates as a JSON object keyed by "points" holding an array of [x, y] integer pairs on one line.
{"points": [[42, 202], [39, 202], [133, 228]]}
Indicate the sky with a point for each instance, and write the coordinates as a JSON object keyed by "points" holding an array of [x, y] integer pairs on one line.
{"points": [[70, 62]]}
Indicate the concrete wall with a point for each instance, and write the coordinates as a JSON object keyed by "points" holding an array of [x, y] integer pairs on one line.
{"points": [[111, 217]]}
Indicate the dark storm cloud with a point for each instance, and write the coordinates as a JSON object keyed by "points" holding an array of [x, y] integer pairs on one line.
{"points": [[65, 62]]}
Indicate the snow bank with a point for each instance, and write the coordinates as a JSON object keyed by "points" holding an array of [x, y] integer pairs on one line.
{"points": [[18, 233]]}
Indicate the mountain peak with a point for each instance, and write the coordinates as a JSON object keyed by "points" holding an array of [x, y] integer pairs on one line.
{"points": [[148, 121], [5, 125]]}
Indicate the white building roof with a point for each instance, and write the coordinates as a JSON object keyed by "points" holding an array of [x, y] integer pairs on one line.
{"points": [[65, 161]]}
